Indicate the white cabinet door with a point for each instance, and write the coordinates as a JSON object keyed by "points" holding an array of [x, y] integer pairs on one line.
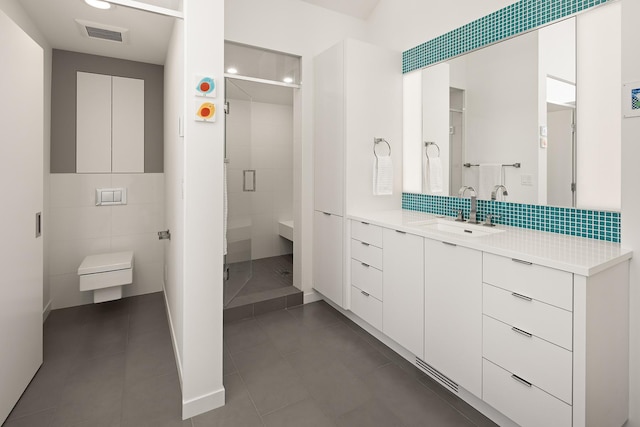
{"points": [[93, 123], [453, 313], [127, 145], [328, 256], [328, 152], [403, 289], [21, 151]]}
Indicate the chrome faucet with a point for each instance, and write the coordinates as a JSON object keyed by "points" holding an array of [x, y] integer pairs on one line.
{"points": [[473, 213], [494, 193]]}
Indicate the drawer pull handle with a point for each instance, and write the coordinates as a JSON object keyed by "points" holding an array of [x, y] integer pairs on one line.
{"points": [[520, 380], [524, 297], [365, 265], [401, 232], [365, 223], [450, 244], [326, 213], [364, 293], [521, 332], [365, 243], [519, 261]]}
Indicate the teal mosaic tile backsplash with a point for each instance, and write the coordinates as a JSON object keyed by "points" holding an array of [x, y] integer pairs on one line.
{"points": [[507, 22], [599, 225]]}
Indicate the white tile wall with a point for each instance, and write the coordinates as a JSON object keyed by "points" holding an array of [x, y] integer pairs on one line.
{"points": [[79, 228], [267, 148]]}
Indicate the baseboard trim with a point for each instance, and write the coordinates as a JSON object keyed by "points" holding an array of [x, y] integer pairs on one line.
{"points": [[202, 404], [174, 343], [46, 311], [312, 296]]}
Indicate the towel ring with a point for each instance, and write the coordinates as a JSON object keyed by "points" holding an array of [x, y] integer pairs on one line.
{"points": [[426, 148], [376, 141]]}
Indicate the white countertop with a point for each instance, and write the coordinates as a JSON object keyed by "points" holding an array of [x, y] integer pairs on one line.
{"points": [[574, 254]]}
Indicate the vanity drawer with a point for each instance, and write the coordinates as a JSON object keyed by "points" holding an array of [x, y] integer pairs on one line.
{"points": [[366, 307], [546, 365], [367, 253], [366, 278], [366, 232], [543, 320], [528, 406], [544, 284]]}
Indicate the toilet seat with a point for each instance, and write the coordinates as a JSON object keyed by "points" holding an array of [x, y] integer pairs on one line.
{"points": [[104, 274]]}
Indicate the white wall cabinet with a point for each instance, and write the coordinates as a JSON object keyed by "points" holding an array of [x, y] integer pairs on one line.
{"points": [[403, 289], [357, 97], [453, 312], [109, 124], [328, 255]]}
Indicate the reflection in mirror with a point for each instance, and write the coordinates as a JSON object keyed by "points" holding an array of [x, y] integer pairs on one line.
{"points": [[507, 115]]}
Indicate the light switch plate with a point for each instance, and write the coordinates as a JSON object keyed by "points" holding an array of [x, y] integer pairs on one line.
{"points": [[111, 196], [526, 180]]}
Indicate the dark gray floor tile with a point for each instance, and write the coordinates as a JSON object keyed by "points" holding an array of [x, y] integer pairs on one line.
{"points": [[243, 335], [372, 413], [257, 357], [38, 419], [305, 413], [228, 367], [295, 299], [316, 315], [104, 337], [267, 306], [146, 316], [92, 393], [312, 358], [237, 313], [273, 387], [413, 403], [44, 390], [155, 401], [335, 389], [238, 411], [150, 354]]}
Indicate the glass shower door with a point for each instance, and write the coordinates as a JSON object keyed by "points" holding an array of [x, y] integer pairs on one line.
{"points": [[240, 188]]}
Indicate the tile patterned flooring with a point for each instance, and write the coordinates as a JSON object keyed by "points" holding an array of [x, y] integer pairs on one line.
{"points": [[112, 365]]}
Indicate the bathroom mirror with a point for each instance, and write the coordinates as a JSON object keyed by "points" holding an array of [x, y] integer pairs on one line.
{"points": [[538, 113]]}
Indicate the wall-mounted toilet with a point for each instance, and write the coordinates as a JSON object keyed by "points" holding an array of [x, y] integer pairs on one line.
{"points": [[105, 274]]}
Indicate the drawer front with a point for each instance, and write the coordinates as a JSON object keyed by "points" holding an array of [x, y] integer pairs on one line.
{"points": [[366, 232], [543, 320], [367, 253], [366, 278], [544, 284], [546, 365], [527, 406], [366, 307]]}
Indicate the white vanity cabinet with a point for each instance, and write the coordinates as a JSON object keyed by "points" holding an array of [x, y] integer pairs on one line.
{"points": [[403, 289], [453, 312], [554, 343], [366, 272], [328, 255]]}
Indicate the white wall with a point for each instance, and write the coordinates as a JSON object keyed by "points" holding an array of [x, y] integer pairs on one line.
{"points": [[306, 30], [14, 10], [630, 200], [598, 112], [201, 287], [259, 137], [80, 228]]}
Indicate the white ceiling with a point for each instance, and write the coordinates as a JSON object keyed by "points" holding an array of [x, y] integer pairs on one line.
{"points": [[357, 8], [149, 33]]}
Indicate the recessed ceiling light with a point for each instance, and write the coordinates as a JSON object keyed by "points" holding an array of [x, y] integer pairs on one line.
{"points": [[232, 70], [98, 4], [287, 80]]}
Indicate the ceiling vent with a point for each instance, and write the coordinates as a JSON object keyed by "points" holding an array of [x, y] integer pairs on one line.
{"points": [[94, 30]]}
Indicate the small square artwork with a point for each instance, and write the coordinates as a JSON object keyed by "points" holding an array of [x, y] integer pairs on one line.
{"points": [[205, 111], [631, 99], [205, 86]]}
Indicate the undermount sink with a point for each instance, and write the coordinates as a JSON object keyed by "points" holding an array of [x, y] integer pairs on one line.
{"points": [[460, 228]]}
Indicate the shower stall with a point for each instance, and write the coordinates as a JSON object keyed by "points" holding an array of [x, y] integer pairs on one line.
{"points": [[259, 173]]}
